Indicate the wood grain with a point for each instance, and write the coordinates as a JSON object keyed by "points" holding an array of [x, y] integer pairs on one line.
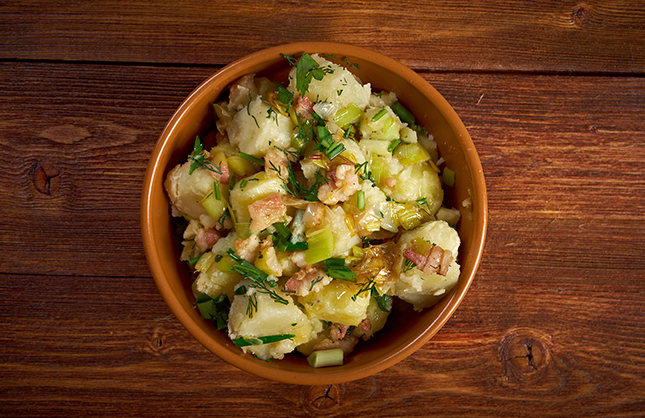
{"points": [[544, 36], [552, 93]]}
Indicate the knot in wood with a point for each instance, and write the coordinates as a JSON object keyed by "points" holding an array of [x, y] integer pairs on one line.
{"points": [[525, 356], [46, 178], [579, 15], [321, 399]]}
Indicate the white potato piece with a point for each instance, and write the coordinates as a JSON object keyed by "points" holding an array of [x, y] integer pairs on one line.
{"points": [[186, 191], [335, 303], [213, 281], [339, 87], [424, 290], [254, 133], [417, 182], [270, 318]]}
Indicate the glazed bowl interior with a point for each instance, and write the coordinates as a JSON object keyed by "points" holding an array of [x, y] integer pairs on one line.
{"points": [[406, 330]]}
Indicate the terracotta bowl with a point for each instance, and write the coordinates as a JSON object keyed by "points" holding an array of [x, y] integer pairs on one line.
{"points": [[406, 330]]}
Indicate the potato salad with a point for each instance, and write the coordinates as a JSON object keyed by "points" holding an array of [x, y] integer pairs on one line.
{"points": [[310, 206]]}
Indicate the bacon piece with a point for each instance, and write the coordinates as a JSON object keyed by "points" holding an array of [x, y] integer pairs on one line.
{"points": [[266, 212], [248, 249], [338, 331], [343, 183], [276, 163], [306, 280], [205, 238], [437, 260], [365, 324], [224, 177], [304, 107]]}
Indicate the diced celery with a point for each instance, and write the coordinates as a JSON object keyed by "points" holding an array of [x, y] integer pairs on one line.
{"points": [[409, 216], [205, 261], [241, 167], [350, 114], [410, 154], [448, 177], [321, 246], [379, 169], [225, 265], [421, 246], [326, 358], [242, 229], [214, 207]]}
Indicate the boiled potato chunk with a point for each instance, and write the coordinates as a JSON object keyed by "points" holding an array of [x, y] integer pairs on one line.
{"points": [[211, 280], [186, 191], [339, 86], [377, 317], [253, 133], [270, 318], [420, 289], [335, 303], [417, 182]]}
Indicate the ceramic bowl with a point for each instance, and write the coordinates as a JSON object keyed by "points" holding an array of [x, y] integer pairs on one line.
{"points": [[406, 330]]}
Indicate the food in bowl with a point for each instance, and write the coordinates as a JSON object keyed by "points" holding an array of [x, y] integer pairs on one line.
{"points": [[309, 207]]}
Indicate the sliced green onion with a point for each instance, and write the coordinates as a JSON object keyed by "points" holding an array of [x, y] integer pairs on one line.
{"points": [[326, 358], [296, 246], [360, 200], [243, 342], [379, 115], [218, 194], [336, 269], [403, 113], [394, 145], [251, 158], [215, 309]]}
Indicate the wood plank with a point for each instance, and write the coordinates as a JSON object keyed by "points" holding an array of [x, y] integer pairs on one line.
{"points": [[68, 352], [547, 36]]}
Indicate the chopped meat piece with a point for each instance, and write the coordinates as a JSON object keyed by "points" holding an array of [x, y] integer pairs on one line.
{"points": [[306, 280], [205, 238], [343, 183], [276, 163], [304, 107], [266, 212], [248, 248], [437, 260]]}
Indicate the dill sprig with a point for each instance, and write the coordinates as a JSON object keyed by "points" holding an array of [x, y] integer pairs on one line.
{"points": [[198, 159], [260, 281]]}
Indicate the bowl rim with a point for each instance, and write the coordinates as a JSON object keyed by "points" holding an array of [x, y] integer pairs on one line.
{"points": [[155, 170]]}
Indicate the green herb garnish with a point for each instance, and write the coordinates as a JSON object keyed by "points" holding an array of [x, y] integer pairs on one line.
{"points": [[336, 268], [214, 309], [198, 159], [243, 342]]}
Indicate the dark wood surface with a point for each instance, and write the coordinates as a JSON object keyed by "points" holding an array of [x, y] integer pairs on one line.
{"points": [[553, 95]]}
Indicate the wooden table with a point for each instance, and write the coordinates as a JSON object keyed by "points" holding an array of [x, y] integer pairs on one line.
{"points": [[552, 92]]}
